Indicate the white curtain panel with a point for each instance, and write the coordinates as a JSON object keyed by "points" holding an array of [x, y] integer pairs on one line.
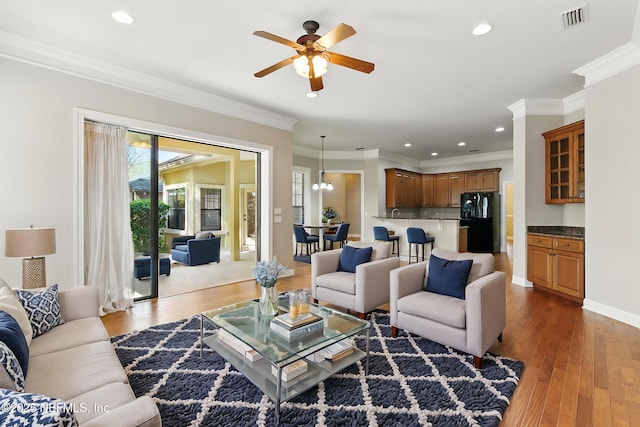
{"points": [[108, 243]]}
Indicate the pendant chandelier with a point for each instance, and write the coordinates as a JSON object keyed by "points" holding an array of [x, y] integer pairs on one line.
{"points": [[323, 185]]}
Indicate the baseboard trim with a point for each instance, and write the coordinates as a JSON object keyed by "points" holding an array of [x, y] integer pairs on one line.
{"points": [[521, 281], [612, 312]]}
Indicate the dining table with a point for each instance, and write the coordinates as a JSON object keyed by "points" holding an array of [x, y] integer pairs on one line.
{"points": [[320, 229]]}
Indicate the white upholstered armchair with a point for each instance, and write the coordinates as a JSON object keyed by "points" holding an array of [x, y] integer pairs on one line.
{"points": [[361, 291], [470, 325]]}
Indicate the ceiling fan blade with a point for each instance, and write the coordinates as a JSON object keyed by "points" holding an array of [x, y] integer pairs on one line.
{"points": [[316, 84], [353, 63], [278, 39], [336, 35], [276, 67]]}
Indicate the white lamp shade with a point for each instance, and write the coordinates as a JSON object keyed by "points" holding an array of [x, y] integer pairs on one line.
{"points": [[30, 242]]}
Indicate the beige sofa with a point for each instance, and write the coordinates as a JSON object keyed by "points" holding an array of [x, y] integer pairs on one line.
{"points": [[361, 291], [76, 362], [470, 325]]}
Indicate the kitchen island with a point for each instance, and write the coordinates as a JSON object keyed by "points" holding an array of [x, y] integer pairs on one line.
{"points": [[445, 230]]}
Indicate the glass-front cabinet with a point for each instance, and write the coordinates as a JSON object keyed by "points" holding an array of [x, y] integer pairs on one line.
{"points": [[565, 164]]}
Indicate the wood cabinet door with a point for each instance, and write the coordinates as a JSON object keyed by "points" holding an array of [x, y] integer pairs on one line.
{"points": [[490, 181], [427, 191], [540, 266], [456, 188], [392, 188], [578, 153], [472, 182], [569, 269], [559, 169], [441, 186]]}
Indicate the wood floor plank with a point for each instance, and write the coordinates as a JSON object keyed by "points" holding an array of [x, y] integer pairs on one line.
{"points": [[581, 368]]}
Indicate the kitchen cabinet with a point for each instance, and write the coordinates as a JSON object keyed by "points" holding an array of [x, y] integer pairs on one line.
{"points": [[482, 181], [441, 194], [462, 238], [556, 264], [412, 189], [427, 191], [403, 188], [564, 164], [456, 188]]}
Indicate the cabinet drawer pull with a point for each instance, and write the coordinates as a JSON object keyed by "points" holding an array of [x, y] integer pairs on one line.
{"points": [[567, 244]]}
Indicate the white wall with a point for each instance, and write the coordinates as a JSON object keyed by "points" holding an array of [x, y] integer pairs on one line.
{"points": [[38, 140], [612, 153]]}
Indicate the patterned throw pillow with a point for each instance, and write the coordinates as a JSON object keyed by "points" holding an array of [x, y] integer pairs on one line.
{"points": [[28, 409], [12, 377], [42, 308]]}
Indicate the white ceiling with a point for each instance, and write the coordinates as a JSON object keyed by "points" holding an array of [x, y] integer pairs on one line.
{"points": [[434, 83]]}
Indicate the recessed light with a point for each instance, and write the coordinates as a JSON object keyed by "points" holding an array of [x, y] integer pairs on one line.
{"points": [[122, 17], [434, 154], [407, 144], [461, 144], [499, 129], [312, 95], [482, 29]]}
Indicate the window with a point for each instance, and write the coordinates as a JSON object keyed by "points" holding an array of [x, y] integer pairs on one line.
{"points": [[211, 209], [176, 199], [298, 196]]}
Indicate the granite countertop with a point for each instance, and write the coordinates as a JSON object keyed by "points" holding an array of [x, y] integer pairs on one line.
{"points": [[557, 231]]}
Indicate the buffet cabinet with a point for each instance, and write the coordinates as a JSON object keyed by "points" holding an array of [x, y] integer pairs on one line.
{"points": [[556, 264], [564, 159], [413, 189]]}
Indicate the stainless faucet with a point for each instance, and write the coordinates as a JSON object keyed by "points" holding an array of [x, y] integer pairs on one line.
{"points": [[394, 210]]}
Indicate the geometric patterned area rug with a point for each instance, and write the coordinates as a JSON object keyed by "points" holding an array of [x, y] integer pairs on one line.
{"points": [[411, 382]]}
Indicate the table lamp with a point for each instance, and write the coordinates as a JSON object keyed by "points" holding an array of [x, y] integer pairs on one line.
{"points": [[34, 243]]}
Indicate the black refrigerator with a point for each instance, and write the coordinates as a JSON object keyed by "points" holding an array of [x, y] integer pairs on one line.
{"points": [[481, 213]]}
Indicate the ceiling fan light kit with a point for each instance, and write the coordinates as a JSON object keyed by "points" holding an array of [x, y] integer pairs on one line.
{"points": [[312, 55]]}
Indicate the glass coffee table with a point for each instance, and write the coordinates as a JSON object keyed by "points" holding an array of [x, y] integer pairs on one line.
{"points": [[271, 354]]}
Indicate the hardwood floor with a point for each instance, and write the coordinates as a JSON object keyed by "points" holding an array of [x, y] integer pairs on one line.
{"points": [[581, 368]]}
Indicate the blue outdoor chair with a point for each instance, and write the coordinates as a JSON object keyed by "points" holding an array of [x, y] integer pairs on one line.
{"points": [[417, 236], [382, 234], [304, 238], [341, 236]]}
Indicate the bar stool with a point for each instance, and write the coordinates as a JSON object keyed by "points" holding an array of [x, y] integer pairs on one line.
{"points": [[381, 233], [417, 236]]}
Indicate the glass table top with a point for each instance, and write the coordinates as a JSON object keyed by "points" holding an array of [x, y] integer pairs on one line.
{"points": [[245, 322]]}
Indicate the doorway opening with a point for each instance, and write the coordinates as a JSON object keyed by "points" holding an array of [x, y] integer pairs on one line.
{"points": [[203, 190]]}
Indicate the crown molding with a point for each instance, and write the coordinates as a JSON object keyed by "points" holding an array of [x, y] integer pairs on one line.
{"points": [[313, 153], [469, 158], [536, 107], [574, 102], [548, 106], [28, 51], [614, 62]]}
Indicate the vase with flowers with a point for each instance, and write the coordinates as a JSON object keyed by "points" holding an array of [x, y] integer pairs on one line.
{"points": [[266, 274], [328, 214]]}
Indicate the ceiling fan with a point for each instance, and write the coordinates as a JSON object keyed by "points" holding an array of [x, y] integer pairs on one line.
{"points": [[312, 54]]}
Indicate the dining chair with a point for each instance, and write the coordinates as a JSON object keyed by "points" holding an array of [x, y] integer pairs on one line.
{"points": [[341, 236], [304, 238]]}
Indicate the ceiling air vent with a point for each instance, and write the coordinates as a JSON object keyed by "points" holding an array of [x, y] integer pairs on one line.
{"points": [[574, 17]]}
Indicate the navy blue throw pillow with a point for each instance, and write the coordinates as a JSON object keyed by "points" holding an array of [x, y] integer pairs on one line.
{"points": [[351, 257], [12, 336], [448, 277]]}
